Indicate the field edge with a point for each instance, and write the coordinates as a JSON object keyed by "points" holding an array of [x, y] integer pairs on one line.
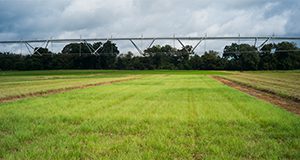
{"points": [[289, 104]]}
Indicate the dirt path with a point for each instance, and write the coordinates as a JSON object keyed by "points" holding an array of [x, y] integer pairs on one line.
{"points": [[60, 90], [287, 104]]}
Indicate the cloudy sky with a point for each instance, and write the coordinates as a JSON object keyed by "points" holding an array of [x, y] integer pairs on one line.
{"points": [[42, 19]]}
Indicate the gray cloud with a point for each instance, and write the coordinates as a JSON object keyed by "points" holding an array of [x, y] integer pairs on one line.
{"points": [[36, 19]]}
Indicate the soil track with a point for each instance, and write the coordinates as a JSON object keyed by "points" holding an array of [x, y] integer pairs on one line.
{"points": [[288, 104], [60, 90]]}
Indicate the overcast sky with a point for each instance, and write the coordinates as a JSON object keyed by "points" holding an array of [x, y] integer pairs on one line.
{"points": [[42, 19]]}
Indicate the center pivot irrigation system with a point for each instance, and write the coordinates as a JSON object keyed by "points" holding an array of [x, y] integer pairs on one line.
{"points": [[45, 42]]}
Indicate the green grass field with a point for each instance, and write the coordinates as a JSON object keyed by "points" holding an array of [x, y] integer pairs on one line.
{"points": [[19, 83], [162, 115], [282, 83]]}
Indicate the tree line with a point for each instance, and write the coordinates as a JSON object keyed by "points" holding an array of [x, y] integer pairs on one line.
{"points": [[280, 56]]}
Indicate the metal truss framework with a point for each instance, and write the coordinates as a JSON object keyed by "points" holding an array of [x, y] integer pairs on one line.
{"points": [[46, 42]]}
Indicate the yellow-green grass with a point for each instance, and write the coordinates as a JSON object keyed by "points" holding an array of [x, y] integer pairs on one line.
{"points": [[282, 83], [166, 116], [15, 83]]}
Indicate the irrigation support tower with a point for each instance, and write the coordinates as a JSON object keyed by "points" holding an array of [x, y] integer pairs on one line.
{"points": [[255, 39]]}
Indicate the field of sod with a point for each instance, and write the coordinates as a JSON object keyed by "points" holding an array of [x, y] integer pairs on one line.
{"points": [[19, 83], [282, 83], [161, 115], [25, 82]]}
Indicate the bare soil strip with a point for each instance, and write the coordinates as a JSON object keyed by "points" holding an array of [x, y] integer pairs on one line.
{"points": [[288, 104], [60, 90]]}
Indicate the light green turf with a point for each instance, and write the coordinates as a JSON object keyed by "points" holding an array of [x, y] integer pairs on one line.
{"points": [[15, 83], [157, 117], [283, 83], [13, 86]]}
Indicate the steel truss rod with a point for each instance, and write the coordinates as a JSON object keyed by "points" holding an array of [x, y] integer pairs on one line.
{"points": [[97, 49], [29, 51], [197, 45], [89, 47], [33, 48], [136, 47], [47, 43], [152, 43], [183, 46], [264, 43], [150, 38], [255, 42]]}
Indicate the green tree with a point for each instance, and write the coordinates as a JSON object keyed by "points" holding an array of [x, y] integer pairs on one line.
{"points": [[196, 62], [211, 60], [267, 59], [287, 56], [77, 48], [160, 57], [107, 54], [241, 56]]}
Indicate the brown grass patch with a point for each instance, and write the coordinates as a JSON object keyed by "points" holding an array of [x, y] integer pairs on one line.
{"points": [[288, 104]]}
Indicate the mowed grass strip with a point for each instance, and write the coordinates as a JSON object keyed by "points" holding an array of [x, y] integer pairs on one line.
{"points": [[27, 84], [283, 83], [157, 117], [20, 83]]}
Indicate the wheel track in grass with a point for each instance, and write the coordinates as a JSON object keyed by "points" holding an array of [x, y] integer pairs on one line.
{"points": [[266, 90], [62, 90], [246, 117], [194, 123], [286, 103], [266, 82], [119, 101], [261, 131]]}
